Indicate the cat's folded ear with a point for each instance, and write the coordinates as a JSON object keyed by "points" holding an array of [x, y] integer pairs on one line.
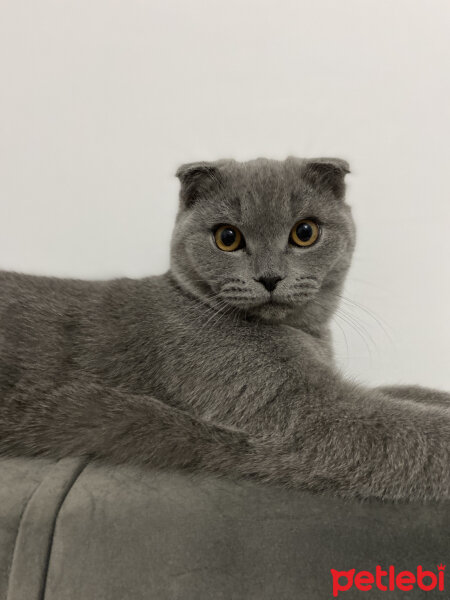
{"points": [[197, 180], [326, 174]]}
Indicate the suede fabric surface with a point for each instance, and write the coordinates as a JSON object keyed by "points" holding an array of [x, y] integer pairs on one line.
{"points": [[19, 479], [71, 531]]}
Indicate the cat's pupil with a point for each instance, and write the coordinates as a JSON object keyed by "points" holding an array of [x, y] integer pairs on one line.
{"points": [[228, 237], [304, 232]]}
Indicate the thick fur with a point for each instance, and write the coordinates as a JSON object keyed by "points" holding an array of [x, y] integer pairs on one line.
{"points": [[202, 368]]}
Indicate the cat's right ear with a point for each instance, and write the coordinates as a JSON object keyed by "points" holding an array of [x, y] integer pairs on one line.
{"points": [[197, 180]]}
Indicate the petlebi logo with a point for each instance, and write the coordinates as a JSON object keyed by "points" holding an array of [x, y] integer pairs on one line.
{"points": [[388, 580]]}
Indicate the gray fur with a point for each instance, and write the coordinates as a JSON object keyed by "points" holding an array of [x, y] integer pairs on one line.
{"points": [[195, 369]]}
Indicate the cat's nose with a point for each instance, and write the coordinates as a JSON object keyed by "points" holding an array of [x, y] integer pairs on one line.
{"points": [[270, 283]]}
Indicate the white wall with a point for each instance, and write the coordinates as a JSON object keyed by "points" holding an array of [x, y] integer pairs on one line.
{"points": [[102, 99]]}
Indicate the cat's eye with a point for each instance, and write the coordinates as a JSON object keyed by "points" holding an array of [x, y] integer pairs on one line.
{"points": [[228, 238], [305, 233]]}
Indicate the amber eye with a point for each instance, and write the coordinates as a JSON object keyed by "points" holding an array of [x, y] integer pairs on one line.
{"points": [[228, 238], [304, 233]]}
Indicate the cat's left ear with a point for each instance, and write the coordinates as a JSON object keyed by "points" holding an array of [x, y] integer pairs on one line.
{"points": [[197, 180], [327, 174]]}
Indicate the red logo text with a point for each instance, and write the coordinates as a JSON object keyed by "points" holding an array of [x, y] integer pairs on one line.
{"points": [[388, 579]]}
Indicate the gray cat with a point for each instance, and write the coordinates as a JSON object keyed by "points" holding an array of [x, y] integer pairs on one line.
{"points": [[224, 363]]}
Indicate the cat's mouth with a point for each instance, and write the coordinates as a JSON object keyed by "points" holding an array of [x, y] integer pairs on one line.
{"points": [[271, 304], [276, 302]]}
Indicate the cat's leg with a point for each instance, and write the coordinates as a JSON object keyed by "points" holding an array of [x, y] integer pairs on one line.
{"points": [[361, 442], [417, 393], [86, 419]]}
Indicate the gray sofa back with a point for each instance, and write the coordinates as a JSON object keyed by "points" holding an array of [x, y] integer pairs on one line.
{"points": [[76, 531]]}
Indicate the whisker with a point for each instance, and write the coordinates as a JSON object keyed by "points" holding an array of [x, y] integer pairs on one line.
{"points": [[384, 326], [307, 278], [342, 330], [217, 312], [233, 289], [228, 311], [353, 325], [239, 297], [357, 329]]}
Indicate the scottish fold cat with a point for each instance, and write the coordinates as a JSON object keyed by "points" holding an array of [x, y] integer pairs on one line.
{"points": [[224, 364]]}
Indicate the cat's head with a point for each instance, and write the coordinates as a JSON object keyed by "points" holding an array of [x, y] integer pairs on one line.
{"points": [[267, 238]]}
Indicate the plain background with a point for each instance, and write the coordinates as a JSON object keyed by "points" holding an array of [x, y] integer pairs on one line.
{"points": [[102, 99]]}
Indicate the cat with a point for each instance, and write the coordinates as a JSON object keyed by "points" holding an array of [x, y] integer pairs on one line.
{"points": [[224, 364]]}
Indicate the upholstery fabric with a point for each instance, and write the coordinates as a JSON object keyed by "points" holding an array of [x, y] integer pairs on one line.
{"points": [[76, 531]]}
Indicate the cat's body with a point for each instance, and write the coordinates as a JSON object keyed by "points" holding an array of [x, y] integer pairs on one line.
{"points": [[207, 368]]}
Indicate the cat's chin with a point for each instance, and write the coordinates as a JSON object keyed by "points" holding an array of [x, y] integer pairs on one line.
{"points": [[271, 311]]}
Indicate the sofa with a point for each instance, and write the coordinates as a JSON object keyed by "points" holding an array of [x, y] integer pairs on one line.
{"points": [[79, 530]]}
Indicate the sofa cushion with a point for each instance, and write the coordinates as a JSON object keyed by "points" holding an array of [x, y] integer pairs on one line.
{"points": [[75, 531]]}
